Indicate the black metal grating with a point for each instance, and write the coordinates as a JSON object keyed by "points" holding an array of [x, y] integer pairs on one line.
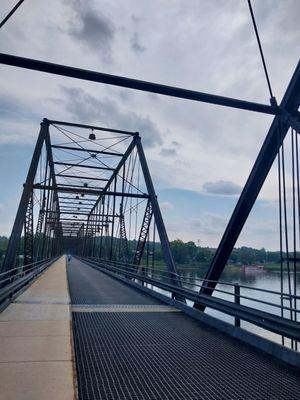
{"points": [[171, 356], [89, 286]]}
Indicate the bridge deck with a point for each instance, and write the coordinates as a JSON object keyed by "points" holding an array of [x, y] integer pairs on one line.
{"points": [[130, 346], [35, 341]]}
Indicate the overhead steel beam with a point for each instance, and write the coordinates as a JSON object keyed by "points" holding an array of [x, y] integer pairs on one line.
{"points": [[260, 170], [96, 128], [78, 220], [63, 185], [15, 237], [69, 213], [74, 207], [83, 166], [292, 120], [12, 11], [110, 153], [65, 208], [91, 192], [81, 177], [161, 229], [91, 201], [74, 204], [136, 84], [116, 171]]}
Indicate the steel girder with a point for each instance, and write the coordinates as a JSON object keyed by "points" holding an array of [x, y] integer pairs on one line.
{"points": [[15, 236], [273, 141], [99, 77]]}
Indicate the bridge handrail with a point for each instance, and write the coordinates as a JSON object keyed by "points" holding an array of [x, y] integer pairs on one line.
{"points": [[9, 271], [11, 289], [271, 322], [23, 272], [287, 295], [182, 277]]}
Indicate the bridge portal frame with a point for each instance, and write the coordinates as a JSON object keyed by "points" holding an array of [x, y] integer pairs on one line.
{"points": [[286, 115]]}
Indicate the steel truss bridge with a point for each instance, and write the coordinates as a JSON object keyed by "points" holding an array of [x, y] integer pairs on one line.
{"points": [[141, 328]]}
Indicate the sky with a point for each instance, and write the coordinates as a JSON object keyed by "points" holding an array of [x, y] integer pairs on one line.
{"points": [[199, 154]]}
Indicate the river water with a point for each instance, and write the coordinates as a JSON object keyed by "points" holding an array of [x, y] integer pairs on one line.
{"points": [[252, 279]]}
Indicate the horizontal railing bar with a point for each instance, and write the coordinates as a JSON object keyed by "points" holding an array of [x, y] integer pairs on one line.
{"points": [[207, 280], [246, 287], [273, 323], [183, 278], [24, 272], [22, 266], [18, 284]]}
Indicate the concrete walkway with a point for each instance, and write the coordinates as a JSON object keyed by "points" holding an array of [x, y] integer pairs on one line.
{"points": [[35, 341]]}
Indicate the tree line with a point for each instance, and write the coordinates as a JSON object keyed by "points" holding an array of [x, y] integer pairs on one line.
{"points": [[189, 252]]}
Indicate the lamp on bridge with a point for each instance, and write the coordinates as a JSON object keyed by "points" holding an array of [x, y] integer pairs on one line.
{"points": [[92, 136]]}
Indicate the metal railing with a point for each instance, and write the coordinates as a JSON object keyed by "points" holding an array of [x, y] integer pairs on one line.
{"points": [[274, 320], [14, 280]]}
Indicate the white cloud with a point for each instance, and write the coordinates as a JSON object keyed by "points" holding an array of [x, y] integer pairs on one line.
{"points": [[166, 205], [225, 188], [204, 45]]}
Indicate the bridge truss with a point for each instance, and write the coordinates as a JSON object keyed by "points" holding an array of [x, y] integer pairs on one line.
{"points": [[99, 202], [89, 192]]}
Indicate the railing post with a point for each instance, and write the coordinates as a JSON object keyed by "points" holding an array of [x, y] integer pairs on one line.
{"points": [[237, 321]]}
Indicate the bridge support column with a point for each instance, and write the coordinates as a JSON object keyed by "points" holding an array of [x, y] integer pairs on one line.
{"points": [[256, 179], [158, 218], [15, 237]]}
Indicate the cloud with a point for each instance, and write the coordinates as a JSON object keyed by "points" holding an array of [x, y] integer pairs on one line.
{"points": [[165, 152], [92, 28], [166, 205], [135, 43], [221, 187], [12, 107], [86, 108], [209, 224], [225, 60]]}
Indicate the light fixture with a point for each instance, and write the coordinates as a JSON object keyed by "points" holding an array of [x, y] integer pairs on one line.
{"points": [[92, 136]]}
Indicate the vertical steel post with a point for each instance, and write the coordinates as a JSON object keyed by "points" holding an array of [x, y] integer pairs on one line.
{"points": [[15, 237], [260, 170], [165, 244], [237, 321]]}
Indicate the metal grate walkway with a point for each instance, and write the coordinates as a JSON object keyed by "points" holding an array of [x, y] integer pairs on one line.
{"points": [[163, 355], [89, 286]]}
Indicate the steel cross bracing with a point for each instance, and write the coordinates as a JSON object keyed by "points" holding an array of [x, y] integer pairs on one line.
{"points": [[28, 233], [143, 234], [286, 116], [111, 205]]}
